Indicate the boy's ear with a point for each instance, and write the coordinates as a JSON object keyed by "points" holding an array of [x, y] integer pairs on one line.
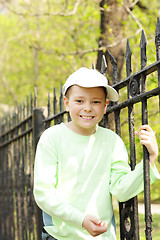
{"points": [[107, 101], [66, 103]]}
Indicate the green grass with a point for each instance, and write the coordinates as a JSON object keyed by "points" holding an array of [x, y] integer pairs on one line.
{"points": [[155, 226]]}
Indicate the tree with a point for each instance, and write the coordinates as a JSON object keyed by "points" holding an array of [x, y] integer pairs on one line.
{"points": [[113, 16], [43, 42]]}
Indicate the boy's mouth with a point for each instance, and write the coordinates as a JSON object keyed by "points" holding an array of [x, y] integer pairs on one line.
{"points": [[87, 117]]}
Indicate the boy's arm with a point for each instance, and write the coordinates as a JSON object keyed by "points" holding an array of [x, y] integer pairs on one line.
{"points": [[47, 197], [124, 183]]}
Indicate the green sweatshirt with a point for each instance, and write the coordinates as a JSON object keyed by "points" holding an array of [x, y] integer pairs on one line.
{"points": [[77, 175]]}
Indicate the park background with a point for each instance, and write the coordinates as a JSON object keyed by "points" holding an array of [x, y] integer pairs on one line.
{"points": [[43, 42]]}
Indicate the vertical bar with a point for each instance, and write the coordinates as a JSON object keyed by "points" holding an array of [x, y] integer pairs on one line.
{"points": [[23, 156], [48, 123], [60, 117], [157, 43], [54, 102], [30, 206], [12, 208], [115, 80], [31, 103], [133, 202], [20, 185], [35, 97], [27, 106], [61, 99], [124, 208], [118, 131], [148, 216], [104, 121], [93, 66], [48, 105], [54, 105], [38, 128], [157, 39], [16, 173]]}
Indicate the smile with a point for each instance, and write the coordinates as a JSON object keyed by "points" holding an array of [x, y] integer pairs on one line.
{"points": [[86, 117]]}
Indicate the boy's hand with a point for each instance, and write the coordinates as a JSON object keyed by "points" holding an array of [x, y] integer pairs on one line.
{"points": [[148, 139], [94, 226]]}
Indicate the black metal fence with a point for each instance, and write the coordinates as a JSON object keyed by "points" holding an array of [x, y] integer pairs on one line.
{"points": [[20, 218]]}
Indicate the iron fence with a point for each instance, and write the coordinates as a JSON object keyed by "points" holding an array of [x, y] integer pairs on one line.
{"points": [[20, 218]]}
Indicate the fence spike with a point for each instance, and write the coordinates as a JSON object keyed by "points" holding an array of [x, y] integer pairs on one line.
{"points": [[35, 97], [48, 105], [114, 67], [10, 121], [128, 49], [112, 59], [128, 55], [143, 40], [143, 50], [54, 102], [93, 66], [157, 39], [21, 112], [61, 98], [157, 32], [27, 105], [18, 115], [31, 103], [24, 108], [103, 65]]}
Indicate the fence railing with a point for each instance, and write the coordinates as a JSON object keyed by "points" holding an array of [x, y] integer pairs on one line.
{"points": [[20, 218]]}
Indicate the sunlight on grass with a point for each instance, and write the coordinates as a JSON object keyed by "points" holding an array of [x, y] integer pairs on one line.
{"points": [[155, 226]]}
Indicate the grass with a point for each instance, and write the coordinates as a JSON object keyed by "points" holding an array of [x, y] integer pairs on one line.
{"points": [[155, 226]]}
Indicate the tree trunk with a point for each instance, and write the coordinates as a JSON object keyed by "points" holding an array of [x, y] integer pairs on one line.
{"points": [[113, 14]]}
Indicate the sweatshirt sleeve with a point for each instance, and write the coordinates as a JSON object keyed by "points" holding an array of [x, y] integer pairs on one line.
{"points": [[46, 195], [124, 183]]}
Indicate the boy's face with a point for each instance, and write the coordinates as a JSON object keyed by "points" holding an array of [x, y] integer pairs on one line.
{"points": [[86, 107]]}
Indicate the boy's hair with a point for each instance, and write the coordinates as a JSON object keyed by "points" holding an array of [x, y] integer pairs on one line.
{"points": [[88, 78]]}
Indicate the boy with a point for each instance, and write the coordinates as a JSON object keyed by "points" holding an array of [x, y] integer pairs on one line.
{"points": [[79, 165]]}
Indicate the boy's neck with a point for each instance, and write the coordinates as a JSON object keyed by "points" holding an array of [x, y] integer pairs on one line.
{"points": [[81, 131]]}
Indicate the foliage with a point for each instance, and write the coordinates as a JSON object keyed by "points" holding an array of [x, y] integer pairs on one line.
{"points": [[39, 45], [43, 42]]}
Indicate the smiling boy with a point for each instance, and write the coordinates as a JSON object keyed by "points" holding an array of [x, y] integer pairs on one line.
{"points": [[86, 107], [80, 165]]}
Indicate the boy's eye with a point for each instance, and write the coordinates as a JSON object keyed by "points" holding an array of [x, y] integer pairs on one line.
{"points": [[96, 102], [78, 101]]}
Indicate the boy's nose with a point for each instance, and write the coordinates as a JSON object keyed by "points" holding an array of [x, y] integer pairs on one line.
{"points": [[87, 108]]}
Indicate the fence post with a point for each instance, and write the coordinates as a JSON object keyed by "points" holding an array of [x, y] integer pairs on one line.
{"points": [[38, 128]]}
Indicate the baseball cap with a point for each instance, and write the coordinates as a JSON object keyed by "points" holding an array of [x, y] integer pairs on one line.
{"points": [[88, 78]]}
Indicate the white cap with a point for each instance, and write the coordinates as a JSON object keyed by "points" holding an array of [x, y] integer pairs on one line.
{"points": [[88, 78]]}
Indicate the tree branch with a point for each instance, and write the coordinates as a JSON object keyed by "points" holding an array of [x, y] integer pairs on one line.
{"points": [[82, 52], [131, 6], [134, 17], [62, 14]]}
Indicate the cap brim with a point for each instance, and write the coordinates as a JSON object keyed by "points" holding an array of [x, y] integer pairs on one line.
{"points": [[112, 94]]}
